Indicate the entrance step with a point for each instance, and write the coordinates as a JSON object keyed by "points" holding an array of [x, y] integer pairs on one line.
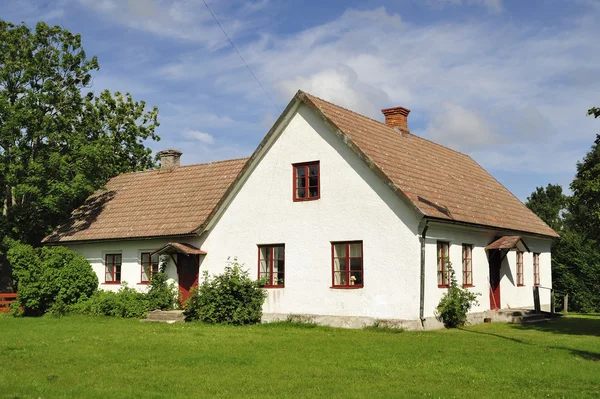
{"points": [[523, 316], [165, 316]]}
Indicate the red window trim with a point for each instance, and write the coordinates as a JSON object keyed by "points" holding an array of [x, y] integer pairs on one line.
{"points": [[536, 269], [142, 281], [520, 277], [464, 269], [114, 265], [272, 258], [441, 265], [348, 257], [295, 180]]}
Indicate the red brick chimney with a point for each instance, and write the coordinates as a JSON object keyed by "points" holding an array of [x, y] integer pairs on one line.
{"points": [[397, 118]]}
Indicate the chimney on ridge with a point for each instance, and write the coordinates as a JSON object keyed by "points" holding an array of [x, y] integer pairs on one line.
{"points": [[397, 118], [169, 159]]}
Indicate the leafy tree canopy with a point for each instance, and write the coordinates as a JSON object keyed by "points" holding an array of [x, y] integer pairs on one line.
{"points": [[549, 204], [59, 143]]}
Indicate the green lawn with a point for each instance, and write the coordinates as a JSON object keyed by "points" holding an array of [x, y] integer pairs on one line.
{"points": [[112, 358]]}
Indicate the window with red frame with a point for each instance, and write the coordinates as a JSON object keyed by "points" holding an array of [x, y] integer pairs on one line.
{"points": [[271, 265], [443, 271], [467, 263], [520, 279], [347, 264], [149, 267], [112, 267], [306, 181], [536, 269]]}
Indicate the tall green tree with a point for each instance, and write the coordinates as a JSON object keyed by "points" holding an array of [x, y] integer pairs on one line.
{"points": [[550, 204], [58, 141]]}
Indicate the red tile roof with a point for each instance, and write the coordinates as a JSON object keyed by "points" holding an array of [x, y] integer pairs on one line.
{"points": [[439, 182], [436, 181], [151, 203]]}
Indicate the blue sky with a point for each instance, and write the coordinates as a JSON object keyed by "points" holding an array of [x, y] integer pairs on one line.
{"points": [[507, 82]]}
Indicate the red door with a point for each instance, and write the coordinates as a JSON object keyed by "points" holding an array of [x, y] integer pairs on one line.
{"points": [[187, 270], [495, 263]]}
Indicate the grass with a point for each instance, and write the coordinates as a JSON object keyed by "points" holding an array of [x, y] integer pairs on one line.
{"points": [[87, 357]]}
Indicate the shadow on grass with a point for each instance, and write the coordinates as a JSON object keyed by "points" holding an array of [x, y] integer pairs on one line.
{"points": [[593, 356], [574, 325]]}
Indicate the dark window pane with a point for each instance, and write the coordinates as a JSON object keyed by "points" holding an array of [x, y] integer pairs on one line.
{"points": [[355, 264], [300, 171], [313, 181], [301, 193], [313, 192], [301, 183], [313, 170]]}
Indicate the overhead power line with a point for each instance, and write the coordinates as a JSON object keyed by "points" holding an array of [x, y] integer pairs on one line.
{"points": [[240, 55]]}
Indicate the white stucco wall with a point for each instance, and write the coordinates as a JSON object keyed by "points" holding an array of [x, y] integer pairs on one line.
{"points": [[130, 257], [511, 296], [354, 205]]}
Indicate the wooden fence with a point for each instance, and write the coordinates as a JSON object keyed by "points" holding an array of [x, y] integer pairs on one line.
{"points": [[5, 301]]}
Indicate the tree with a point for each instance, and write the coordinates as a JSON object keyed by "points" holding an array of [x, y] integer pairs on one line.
{"points": [[58, 144], [594, 111], [550, 205], [585, 204]]}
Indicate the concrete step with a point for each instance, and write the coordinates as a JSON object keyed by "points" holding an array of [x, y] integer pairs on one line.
{"points": [[166, 316]]}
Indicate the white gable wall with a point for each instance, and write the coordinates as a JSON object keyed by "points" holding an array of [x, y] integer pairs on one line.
{"points": [[354, 205]]}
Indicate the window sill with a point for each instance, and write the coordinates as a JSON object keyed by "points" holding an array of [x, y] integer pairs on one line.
{"points": [[143, 283], [306, 199], [346, 287], [520, 285], [112, 283], [444, 286], [273, 286], [468, 286]]}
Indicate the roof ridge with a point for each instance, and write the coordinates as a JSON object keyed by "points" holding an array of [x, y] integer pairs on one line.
{"points": [[384, 124], [183, 166]]}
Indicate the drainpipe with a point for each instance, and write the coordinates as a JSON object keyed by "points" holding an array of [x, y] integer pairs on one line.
{"points": [[422, 294]]}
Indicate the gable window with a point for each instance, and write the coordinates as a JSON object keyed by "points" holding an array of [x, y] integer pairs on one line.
{"points": [[112, 268], [271, 265], [443, 272], [467, 265], [536, 269], [347, 264], [149, 267], [520, 280], [306, 181]]}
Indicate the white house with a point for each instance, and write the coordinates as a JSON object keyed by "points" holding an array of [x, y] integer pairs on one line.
{"points": [[348, 218]]}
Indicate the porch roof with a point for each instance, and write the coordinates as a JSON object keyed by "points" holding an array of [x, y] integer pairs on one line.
{"points": [[509, 242], [179, 247]]}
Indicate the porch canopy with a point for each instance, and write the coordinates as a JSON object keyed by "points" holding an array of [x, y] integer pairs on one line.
{"points": [[509, 243], [179, 248]]}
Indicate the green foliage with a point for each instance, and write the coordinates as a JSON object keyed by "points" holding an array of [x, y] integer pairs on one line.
{"points": [[162, 294], [50, 278], [229, 298], [381, 326], [456, 303], [127, 302], [58, 143], [594, 111], [550, 205]]}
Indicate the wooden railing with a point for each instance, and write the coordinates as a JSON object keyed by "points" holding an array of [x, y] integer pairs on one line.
{"points": [[6, 299], [536, 299]]}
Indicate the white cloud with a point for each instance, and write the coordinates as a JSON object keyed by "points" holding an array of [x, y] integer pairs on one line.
{"points": [[460, 128], [205, 138], [493, 6]]}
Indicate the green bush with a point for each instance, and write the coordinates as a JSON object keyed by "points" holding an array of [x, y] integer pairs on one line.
{"points": [[50, 278], [229, 298], [162, 294], [127, 302], [456, 303]]}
